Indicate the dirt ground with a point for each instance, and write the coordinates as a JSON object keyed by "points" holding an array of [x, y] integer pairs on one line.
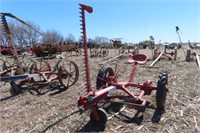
{"points": [[56, 111]]}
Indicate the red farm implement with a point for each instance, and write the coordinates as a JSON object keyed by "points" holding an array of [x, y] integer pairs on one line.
{"points": [[157, 55], [120, 48], [42, 50], [34, 72], [41, 73], [107, 86], [101, 51]]}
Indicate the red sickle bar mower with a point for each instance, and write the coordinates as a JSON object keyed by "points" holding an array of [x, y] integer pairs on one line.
{"points": [[107, 84]]}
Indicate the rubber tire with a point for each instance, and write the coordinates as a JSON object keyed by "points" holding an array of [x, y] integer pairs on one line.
{"points": [[14, 92], [161, 92], [102, 121], [101, 76]]}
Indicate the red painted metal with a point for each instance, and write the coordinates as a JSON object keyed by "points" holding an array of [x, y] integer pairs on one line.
{"points": [[92, 97], [83, 31]]}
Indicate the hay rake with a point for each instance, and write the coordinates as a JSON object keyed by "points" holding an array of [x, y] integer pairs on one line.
{"points": [[107, 85], [65, 70]]}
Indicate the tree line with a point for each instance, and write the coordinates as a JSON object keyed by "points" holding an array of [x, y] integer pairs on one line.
{"points": [[24, 36]]}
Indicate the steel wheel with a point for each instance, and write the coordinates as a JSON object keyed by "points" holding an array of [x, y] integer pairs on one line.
{"points": [[102, 118], [68, 73], [103, 74], [161, 90], [78, 52], [42, 66]]}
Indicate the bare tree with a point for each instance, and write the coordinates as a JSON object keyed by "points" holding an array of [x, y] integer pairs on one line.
{"points": [[101, 40], [31, 36], [21, 34], [2, 38], [70, 38], [52, 37]]}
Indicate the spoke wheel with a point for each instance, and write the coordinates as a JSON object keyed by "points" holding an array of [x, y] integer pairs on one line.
{"points": [[78, 52], [39, 68], [68, 73]]}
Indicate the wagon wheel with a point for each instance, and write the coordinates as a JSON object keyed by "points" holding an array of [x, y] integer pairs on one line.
{"points": [[68, 73], [100, 123], [103, 74], [39, 68], [78, 52], [161, 90]]}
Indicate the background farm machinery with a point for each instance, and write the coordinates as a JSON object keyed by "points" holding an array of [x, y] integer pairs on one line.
{"points": [[120, 48], [33, 72], [8, 50], [39, 73], [107, 85], [41, 50]]}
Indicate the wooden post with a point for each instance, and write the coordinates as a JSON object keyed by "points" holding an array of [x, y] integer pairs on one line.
{"points": [[155, 61], [188, 53], [198, 61]]}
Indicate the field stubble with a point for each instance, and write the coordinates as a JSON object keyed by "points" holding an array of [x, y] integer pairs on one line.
{"points": [[59, 112]]}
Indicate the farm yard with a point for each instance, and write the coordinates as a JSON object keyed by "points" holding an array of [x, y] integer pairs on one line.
{"points": [[89, 87], [50, 110]]}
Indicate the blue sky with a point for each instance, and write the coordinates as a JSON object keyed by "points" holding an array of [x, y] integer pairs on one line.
{"points": [[132, 20]]}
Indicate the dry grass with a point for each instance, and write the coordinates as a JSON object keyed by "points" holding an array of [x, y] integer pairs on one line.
{"points": [[30, 113]]}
